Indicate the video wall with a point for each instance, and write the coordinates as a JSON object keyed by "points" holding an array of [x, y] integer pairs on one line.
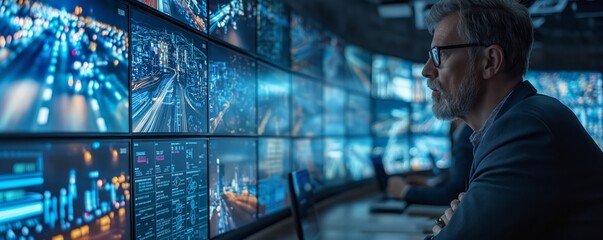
{"points": [[181, 119]]}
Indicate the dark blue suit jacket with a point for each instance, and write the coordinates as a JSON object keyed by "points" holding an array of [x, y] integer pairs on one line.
{"points": [[537, 174], [462, 157]]}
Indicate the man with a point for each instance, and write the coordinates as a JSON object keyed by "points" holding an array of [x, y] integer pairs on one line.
{"points": [[536, 172], [416, 189]]}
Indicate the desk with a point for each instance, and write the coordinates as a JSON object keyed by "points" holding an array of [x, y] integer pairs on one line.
{"points": [[347, 216]]}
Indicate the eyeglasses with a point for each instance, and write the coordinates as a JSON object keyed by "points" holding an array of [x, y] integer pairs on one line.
{"points": [[434, 53]]}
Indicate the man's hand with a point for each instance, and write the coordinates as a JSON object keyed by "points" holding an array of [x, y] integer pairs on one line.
{"points": [[395, 187], [448, 214]]}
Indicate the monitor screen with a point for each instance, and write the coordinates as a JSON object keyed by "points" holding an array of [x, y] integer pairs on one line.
{"points": [[170, 189], [358, 61], [582, 92], [395, 153], [335, 69], [307, 103], [423, 121], [273, 32], [358, 115], [192, 13], [169, 77], [274, 164], [304, 213], [334, 99], [427, 151], [65, 190], [392, 78], [232, 92], [233, 184], [64, 66], [306, 55], [234, 22], [334, 161], [358, 158], [274, 101], [392, 118], [308, 154]]}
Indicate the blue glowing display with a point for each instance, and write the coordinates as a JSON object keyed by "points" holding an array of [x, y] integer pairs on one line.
{"points": [[274, 164]]}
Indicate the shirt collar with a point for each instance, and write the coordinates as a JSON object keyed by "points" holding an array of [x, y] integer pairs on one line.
{"points": [[476, 137]]}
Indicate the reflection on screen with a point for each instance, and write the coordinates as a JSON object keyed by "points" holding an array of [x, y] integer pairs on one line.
{"points": [[395, 151], [334, 99], [423, 121], [304, 209], [306, 56], [358, 115], [392, 78], [334, 163], [274, 104], [273, 32], [308, 154], [580, 91], [170, 189], [169, 77], [274, 164], [193, 13], [306, 107], [232, 92], [233, 21], [233, 184], [392, 118], [65, 190], [358, 155], [64, 66], [427, 151]]}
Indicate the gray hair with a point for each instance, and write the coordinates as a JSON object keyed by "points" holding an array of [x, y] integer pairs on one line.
{"points": [[506, 23]]}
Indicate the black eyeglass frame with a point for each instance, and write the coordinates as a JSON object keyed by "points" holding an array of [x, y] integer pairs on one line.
{"points": [[434, 52]]}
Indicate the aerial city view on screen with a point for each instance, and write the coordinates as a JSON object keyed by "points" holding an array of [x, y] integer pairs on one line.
{"points": [[274, 165], [392, 78], [234, 22], [273, 32], [190, 12], [306, 55], [232, 92], [170, 189], [232, 184], [169, 77], [274, 104], [65, 190], [63, 66]]}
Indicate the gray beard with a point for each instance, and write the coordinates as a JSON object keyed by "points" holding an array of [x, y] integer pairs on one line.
{"points": [[450, 106]]}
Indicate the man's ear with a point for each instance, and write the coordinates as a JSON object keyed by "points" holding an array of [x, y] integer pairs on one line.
{"points": [[492, 61]]}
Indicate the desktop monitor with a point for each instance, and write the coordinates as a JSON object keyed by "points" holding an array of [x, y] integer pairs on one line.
{"points": [[65, 190], [358, 115], [358, 157], [274, 164], [307, 104], [334, 116], [308, 153], [234, 22], [273, 32], [192, 13], [170, 189], [64, 66], [303, 211], [232, 92], [392, 78], [391, 118], [306, 55], [232, 184], [274, 101], [334, 167], [169, 77]]}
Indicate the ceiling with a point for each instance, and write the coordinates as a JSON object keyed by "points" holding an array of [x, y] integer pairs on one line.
{"points": [[569, 33]]}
